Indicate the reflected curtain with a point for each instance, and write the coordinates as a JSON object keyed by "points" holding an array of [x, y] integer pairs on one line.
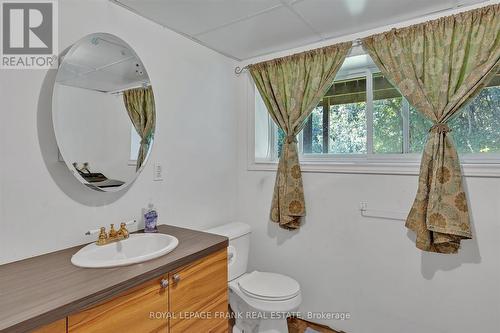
{"points": [[439, 66], [140, 107], [291, 87]]}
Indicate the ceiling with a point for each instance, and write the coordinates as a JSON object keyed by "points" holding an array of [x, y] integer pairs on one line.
{"points": [[243, 29], [102, 62]]}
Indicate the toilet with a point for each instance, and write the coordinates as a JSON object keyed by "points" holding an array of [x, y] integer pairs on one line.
{"points": [[261, 301]]}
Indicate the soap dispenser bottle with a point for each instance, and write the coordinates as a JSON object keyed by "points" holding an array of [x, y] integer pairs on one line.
{"points": [[150, 219]]}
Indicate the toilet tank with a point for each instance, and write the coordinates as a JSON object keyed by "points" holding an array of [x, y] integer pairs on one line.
{"points": [[239, 245]]}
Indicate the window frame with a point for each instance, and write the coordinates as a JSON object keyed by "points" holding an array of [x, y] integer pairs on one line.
{"points": [[133, 132], [473, 165]]}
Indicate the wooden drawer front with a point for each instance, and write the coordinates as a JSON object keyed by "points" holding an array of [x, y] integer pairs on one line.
{"points": [[128, 312], [198, 299], [55, 327]]}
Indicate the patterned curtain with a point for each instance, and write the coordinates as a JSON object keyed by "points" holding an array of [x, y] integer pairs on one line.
{"points": [[439, 66], [291, 87], [140, 105]]}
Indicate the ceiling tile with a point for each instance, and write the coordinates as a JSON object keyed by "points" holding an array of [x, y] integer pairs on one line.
{"points": [[275, 30], [244, 29], [337, 18], [196, 16]]}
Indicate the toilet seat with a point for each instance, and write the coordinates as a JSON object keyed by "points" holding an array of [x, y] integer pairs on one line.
{"points": [[268, 286]]}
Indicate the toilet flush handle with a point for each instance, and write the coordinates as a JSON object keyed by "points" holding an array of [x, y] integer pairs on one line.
{"points": [[231, 254]]}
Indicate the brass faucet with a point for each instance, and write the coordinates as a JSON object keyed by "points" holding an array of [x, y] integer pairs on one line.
{"points": [[113, 235]]}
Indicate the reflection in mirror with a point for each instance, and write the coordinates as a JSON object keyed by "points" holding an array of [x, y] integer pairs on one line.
{"points": [[103, 112]]}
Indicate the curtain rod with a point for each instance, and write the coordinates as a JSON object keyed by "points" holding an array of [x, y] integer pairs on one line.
{"points": [[238, 70]]}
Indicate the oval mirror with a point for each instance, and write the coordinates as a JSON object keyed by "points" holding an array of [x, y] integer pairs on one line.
{"points": [[103, 112]]}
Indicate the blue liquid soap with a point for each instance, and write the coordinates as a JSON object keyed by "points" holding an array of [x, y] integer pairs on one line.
{"points": [[150, 219]]}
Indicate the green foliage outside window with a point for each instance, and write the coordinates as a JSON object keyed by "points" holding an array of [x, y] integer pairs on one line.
{"points": [[388, 125], [317, 130], [476, 129], [419, 128], [348, 128]]}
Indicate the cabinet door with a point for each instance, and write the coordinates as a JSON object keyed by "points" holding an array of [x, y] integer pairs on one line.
{"points": [[198, 295], [141, 309], [55, 327]]}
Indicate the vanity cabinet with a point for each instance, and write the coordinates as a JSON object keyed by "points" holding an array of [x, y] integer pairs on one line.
{"points": [[192, 298], [198, 296], [183, 291], [129, 312]]}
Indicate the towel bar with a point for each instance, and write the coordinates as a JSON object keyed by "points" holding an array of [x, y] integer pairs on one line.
{"points": [[382, 214]]}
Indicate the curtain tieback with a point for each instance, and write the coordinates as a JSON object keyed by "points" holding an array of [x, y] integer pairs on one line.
{"points": [[440, 128], [145, 141], [291, 138]]}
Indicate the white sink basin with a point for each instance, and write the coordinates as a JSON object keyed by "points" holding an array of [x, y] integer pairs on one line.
{"points": [[135, 249]]}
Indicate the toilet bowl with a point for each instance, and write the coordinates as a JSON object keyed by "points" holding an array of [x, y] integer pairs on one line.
{"points": [[264, 301], [261, 301]]}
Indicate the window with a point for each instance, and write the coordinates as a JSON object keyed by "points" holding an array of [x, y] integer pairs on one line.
{"points": [[338, 124], [390, 110], [364, 117], [476, 129], [135, 144]]}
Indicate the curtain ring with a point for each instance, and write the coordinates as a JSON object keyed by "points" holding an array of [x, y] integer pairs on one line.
{"points": [[440, 128]]}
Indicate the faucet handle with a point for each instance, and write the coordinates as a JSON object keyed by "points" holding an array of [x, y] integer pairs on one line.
{"points": [[92, 232], [112, 231], [123, 230], [102, 236], [130, 222]]}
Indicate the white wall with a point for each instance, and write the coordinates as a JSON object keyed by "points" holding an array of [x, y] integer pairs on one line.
{"points": [[371, 267], [43, 208]]}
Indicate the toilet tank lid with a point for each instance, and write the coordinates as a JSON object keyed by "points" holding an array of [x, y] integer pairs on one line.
{"points": [[231, 230]]}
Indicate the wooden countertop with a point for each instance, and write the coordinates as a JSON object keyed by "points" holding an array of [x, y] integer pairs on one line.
{"points": [[43, 289]]}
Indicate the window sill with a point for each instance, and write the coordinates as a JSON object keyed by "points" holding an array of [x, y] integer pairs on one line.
{"points": [[377, 167]]}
